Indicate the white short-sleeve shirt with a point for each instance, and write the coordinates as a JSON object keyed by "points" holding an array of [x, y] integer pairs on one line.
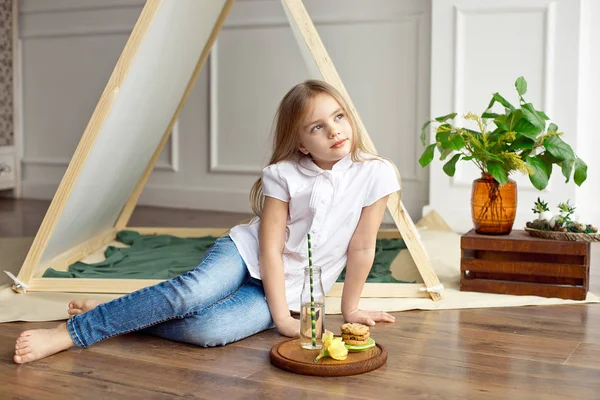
{"points": [[325, 203]]}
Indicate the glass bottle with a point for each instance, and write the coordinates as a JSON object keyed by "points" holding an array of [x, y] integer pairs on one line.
{"points": [[310, 304]]}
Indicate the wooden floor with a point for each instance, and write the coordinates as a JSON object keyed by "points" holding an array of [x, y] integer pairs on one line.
{"points": [[533, 353]]}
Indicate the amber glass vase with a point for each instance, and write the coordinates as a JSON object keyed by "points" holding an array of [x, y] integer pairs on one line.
{"points": [[493, 207]]}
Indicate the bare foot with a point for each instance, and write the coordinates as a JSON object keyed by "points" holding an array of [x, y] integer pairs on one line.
{"points": [[80, 306], [39, 343]]}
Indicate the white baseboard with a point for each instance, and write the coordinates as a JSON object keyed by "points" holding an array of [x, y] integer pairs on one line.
{"points": [[38, 190]]}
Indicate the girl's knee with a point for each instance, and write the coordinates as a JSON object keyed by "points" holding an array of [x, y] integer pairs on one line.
{"points": [[213, 336], [211, 339]]}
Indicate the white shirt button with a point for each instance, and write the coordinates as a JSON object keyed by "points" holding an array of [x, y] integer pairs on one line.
{"points": [[324, 201]]}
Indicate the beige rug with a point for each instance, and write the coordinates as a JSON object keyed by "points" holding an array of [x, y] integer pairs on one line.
{"points": [[443, 247]]}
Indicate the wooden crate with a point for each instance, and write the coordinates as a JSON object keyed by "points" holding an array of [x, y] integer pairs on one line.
{"points": [[524, 265]]}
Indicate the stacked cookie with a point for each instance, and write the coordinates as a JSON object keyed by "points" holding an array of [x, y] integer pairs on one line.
{"points": [[355, 334]]}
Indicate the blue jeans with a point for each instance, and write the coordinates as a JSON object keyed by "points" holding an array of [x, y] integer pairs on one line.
{"points": [[216, 303]]}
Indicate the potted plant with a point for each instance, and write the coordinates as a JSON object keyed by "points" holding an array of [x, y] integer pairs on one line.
{"points": [[519, 139]]}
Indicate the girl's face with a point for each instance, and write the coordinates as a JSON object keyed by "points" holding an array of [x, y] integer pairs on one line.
{"points": [[325, 133]]}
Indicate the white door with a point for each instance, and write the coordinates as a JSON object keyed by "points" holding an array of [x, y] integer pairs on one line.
{"points": [[481, 47]]}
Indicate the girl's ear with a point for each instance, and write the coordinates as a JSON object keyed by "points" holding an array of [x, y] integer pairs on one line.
{"points": [[303, 149]]}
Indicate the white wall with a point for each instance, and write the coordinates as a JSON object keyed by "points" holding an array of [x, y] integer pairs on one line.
{"points": [[221, 142], [588, 106], [481, 47]]}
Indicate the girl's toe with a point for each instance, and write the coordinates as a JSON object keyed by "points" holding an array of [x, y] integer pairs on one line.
{"points": [[23, 359], [22, 341], [22, 352]]}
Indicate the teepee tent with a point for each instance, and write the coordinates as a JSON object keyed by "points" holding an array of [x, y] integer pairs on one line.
{"points": [[142, 100]]}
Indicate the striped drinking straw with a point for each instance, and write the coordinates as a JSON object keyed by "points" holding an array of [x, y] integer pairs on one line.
{"points": [[312, 297]]}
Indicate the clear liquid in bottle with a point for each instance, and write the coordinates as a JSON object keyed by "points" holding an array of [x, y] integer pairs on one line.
{"points": [[306, 326]]}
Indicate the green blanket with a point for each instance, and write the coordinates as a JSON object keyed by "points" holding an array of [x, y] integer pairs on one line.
{"points": [[386, 251], [165, 256]]}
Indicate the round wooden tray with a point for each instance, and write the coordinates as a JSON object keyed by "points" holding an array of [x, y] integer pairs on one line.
{"points": [[289, 356], [572, 236]]}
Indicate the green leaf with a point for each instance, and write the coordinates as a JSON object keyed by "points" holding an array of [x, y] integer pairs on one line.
{"points": [[527, 129], [450, 167], [497, 171], [521, 142], [424, 132], [492, 101], [540, 175], [442, 137], [457, 142], [521, 86], [532, 116], [566, 167], [427, 155], [549, 159], [543, 115], [558, 148], [513, 118], [489, 115], [500, 122], [552, 127], [580, 171], [445, 153], [502, 101], [445, 117]]}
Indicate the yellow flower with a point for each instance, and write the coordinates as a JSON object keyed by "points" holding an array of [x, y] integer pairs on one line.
{"points": [[327, 338], [337, 350], [332, 347]]}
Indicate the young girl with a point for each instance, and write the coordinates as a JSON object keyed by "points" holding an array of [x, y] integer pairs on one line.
{"points": [[320, 180]]}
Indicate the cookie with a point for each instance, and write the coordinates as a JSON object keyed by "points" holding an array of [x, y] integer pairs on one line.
{"points": [[356, 342], [355, 329], [365, 337]]}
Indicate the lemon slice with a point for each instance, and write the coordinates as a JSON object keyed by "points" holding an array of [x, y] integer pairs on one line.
{"points": [[360, 347]]}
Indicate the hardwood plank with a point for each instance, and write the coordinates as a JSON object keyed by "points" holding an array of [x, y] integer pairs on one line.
{"points": [[388, 382], [419, 331], [242, 361], [490, 319], [462, 368], [43, 383], [72, 371], [585, 355], [475, 341], [225, 361], [568, 314]]}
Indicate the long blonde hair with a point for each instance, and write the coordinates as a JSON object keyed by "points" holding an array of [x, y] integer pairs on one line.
{"points": [[290, 114]]}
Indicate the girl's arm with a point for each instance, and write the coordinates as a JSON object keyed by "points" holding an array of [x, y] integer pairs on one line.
{"points": [[271, 239], [361, 253]]}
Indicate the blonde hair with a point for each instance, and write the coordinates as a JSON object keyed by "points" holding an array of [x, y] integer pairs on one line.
{"points": [[290, 114]]}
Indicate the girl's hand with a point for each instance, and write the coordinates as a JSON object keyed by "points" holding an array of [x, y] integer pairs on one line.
{"points": [[289, 327], [368, 317]]}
